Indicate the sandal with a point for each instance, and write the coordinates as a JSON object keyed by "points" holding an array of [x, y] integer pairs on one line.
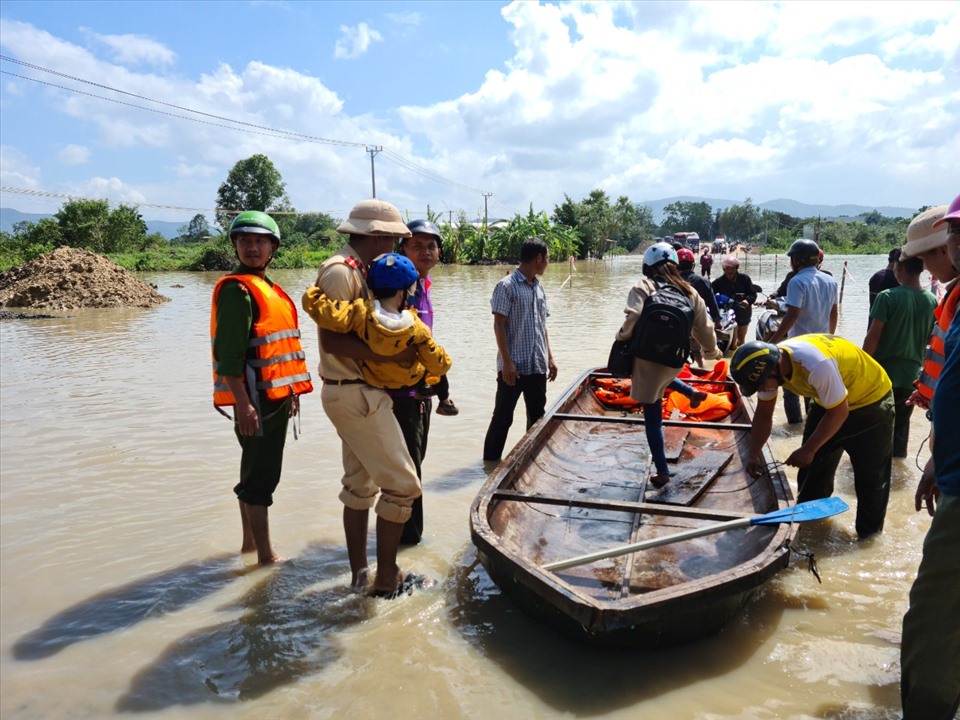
{"points": [[446, 407], [658, 480], [411, 581]]}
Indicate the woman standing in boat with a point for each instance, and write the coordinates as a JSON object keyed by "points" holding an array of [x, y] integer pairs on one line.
{"points": [[651, 378]]}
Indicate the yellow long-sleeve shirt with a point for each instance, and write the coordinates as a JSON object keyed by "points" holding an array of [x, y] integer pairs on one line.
{"points": [[382, 334]]}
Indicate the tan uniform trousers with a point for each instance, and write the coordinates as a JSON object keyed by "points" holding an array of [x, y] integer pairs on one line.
{"points": [[375, 457]]}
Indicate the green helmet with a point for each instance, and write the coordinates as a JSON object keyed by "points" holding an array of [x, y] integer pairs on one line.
{"points": [[752, 364], [254, 221]]}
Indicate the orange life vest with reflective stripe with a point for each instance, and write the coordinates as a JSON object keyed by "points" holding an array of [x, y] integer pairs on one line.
{"points": [[276, 363], [933, 359]]}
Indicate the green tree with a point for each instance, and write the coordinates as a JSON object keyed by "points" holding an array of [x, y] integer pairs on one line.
{"points": [[682, 216], [740, 223], [596, 224], [566, 213], [195, 231], [254, 184], [83, 224], [632, 223], [313, 228], [125, 229]]}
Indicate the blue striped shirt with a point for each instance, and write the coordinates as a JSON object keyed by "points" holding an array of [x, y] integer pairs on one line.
{"points": [[524, 304]]}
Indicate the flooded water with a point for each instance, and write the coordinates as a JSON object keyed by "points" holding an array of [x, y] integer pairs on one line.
{"points": [[123, 592]]}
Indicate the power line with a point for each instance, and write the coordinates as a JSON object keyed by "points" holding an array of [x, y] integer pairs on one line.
{"points": [[309, 138], [252, 128], [48, 194]]}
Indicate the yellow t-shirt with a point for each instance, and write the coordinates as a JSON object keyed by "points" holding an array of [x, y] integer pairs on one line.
{"points": [[830, 370]]}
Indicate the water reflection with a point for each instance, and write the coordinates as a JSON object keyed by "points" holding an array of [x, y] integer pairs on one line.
{"points": [[288, 629], [123, 607], [589, 681]]}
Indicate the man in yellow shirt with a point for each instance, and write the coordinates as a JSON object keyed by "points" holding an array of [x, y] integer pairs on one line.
{"points": [[852, 412]]}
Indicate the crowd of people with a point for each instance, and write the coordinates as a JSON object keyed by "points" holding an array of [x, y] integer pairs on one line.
{"points": [[381, 368]]}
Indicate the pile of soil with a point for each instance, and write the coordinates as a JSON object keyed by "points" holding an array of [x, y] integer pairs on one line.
{"points": [[70, 278]]}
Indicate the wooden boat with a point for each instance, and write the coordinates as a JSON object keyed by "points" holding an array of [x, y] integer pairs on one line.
{"points": [[578, 482]]}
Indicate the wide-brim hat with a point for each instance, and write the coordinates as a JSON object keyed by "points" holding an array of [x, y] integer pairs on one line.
{"points": [[925, 232], [374, 217]]}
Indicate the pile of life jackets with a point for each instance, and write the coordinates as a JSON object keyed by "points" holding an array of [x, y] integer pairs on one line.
{"points": [[614, 393]]}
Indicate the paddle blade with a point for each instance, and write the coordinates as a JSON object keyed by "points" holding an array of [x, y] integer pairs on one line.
{"points": [[803, 512]]}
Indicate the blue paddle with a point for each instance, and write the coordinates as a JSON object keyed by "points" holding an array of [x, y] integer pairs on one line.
{"points": [[804, 512]]}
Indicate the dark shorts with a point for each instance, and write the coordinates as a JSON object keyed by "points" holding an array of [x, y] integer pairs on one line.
{"points": [[262, 459]]}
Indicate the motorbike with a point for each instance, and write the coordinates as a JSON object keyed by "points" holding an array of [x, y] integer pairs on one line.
{"points": [[728, 321], [769, 321]]}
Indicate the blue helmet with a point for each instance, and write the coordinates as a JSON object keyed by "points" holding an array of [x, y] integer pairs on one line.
{"points": [[391, 271]]}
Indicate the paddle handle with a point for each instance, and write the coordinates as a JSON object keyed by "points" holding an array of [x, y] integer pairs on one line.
{"points": [[644, 544]]}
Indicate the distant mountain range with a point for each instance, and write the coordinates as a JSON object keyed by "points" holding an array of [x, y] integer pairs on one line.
{"points": [[9, 216], [170, 230], [790, 207]]}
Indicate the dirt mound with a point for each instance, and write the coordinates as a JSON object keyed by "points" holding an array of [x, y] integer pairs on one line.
{"points": [[69, 278]]}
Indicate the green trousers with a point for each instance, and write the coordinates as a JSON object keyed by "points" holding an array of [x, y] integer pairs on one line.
{"points": [[930, 648]]}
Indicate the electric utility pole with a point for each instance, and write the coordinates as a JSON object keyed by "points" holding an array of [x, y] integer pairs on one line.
{"points": [[486, 216], [373, 150]]}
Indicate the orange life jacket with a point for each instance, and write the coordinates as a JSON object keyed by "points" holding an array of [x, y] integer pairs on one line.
{"points": [[615, 392], [714, 407], [276, 362], [934, 358]]}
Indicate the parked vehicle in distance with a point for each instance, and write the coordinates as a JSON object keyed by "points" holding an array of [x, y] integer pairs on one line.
{"points": [[688, 239]]}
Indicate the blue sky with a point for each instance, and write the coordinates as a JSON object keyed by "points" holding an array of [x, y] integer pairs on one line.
{"points": [[824, 103]]}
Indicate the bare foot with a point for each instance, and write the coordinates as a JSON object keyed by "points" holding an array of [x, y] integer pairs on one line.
{"points": [[360, 580], [273, 559], [245, 548], [697, 398], [380, 590]]}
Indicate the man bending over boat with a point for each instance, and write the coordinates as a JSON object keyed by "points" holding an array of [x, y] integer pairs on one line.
{"points": [[852, 411]]}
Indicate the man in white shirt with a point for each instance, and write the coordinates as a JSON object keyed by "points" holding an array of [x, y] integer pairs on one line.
{"points": [[811, 307]]}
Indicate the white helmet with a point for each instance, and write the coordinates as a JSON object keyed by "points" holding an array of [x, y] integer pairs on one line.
{"points": [[659, 253]]}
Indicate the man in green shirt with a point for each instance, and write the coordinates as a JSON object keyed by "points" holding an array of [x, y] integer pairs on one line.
{"points": [[900, 322], [259, 369]]}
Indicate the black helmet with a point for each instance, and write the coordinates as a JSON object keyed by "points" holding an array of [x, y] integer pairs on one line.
{"points": [[752, 363], [424, 227], [805, 252]]}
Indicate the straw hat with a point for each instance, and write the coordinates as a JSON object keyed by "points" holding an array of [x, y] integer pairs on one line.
{"points": [[922, 235], [374, 217]]}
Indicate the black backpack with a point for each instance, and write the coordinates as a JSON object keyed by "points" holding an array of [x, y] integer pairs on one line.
{"points": [[662, 332]]}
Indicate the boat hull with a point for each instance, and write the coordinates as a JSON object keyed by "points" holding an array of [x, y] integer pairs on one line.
{"points": [[577, 483]]}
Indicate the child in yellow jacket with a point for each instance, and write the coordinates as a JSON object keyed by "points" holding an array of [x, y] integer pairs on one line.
{"points": [[385, 325]]}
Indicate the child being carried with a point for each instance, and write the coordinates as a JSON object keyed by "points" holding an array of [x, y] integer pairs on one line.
{"points": [[386, 325]]}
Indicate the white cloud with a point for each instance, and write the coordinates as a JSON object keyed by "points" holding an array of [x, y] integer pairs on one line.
{"points": [[113, 189], [135, 49], [408, 19], [17, 170], [645, 100], [73, 155], [705, 99], [355, 41]]}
